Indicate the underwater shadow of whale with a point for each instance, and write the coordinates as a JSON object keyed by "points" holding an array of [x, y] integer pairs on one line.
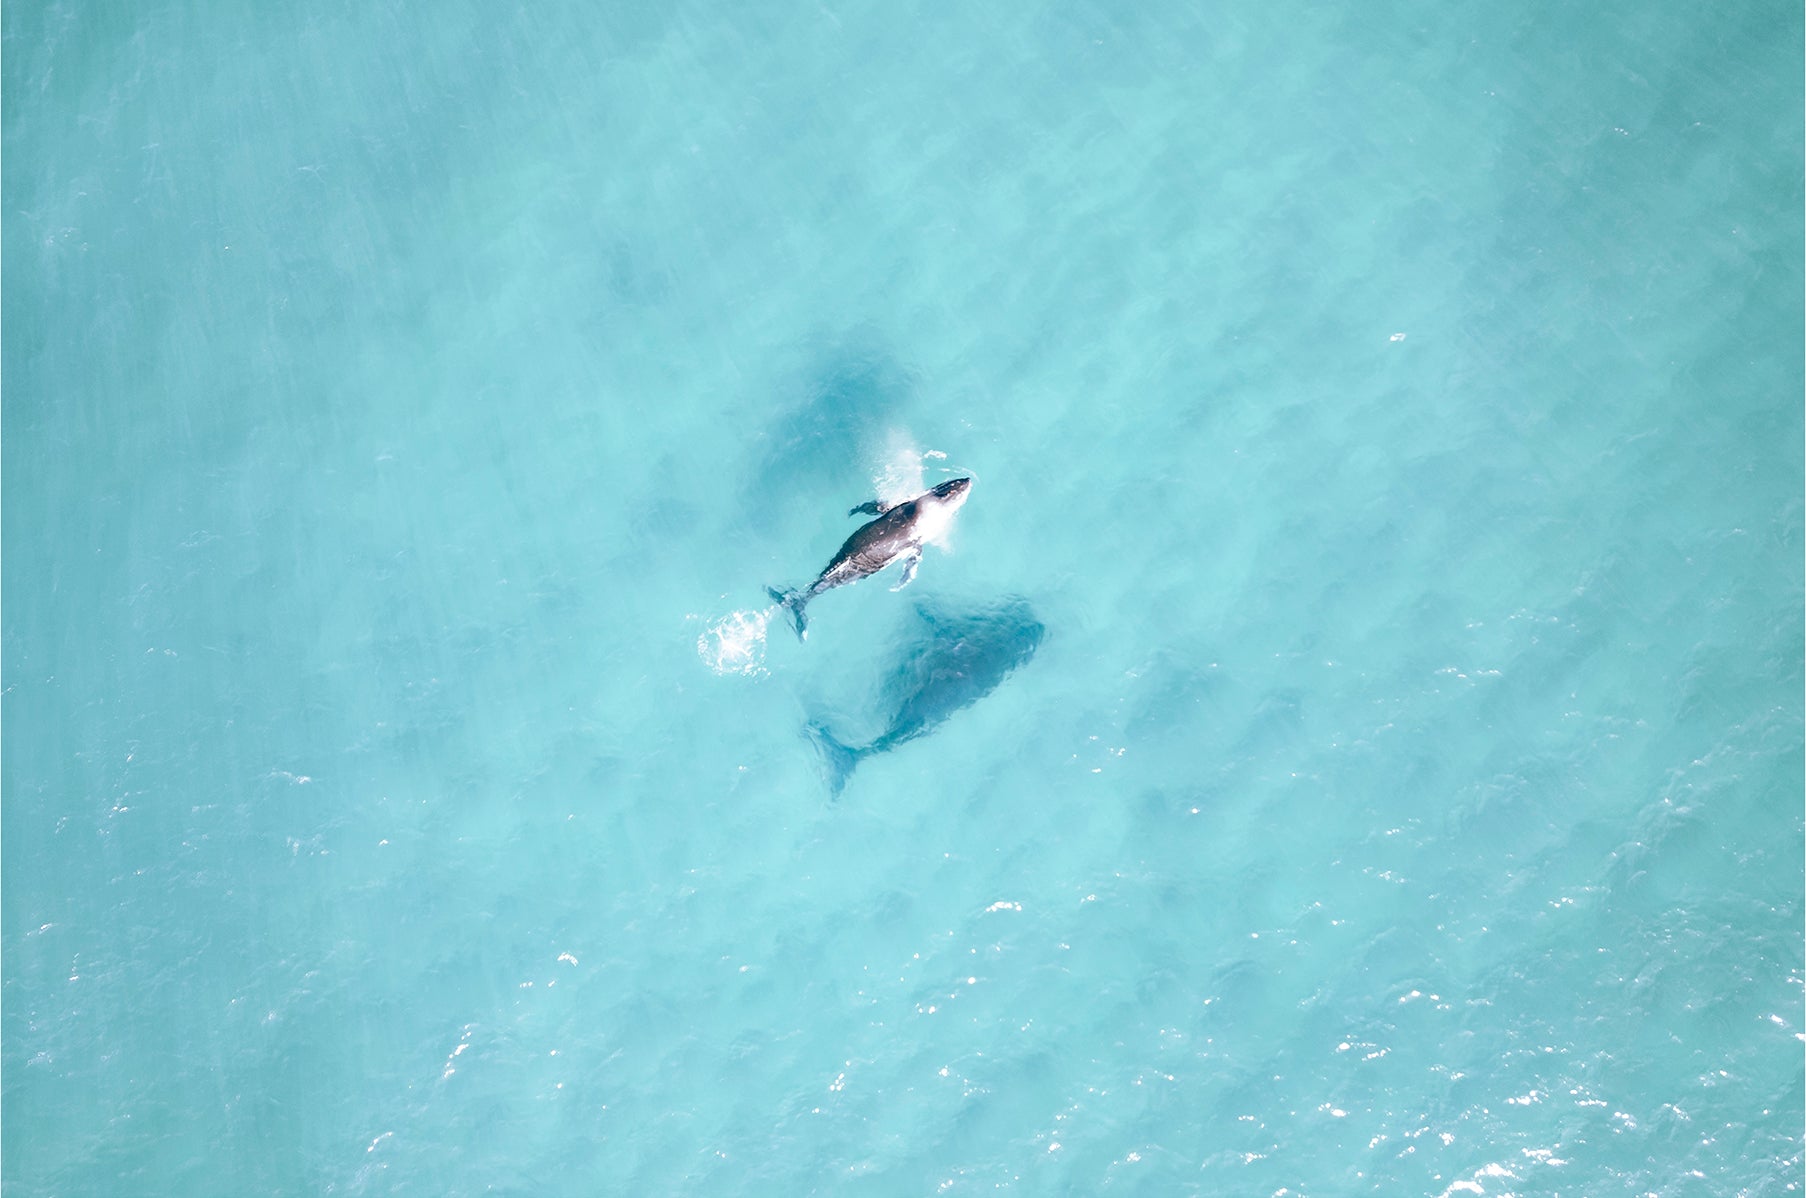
{"points": [[957, 659]]}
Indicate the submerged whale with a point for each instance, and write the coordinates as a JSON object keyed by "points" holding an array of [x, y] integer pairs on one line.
{"points": [[955, 659], [897, 534]]}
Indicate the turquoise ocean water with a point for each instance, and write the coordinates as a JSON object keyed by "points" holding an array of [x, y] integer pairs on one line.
{"points": [[1391, 413]]}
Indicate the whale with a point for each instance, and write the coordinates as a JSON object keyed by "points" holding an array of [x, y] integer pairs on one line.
{"points": [[953, 658], [896, 535]]}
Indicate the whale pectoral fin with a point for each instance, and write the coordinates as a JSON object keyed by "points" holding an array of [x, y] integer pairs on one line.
{"points": [[909, 569], [871, 507]]}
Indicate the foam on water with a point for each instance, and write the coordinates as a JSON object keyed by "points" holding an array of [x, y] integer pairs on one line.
{"points": [[899, 472], [735, 643]]}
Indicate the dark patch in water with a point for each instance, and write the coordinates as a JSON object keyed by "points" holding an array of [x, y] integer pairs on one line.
{"points": [[1276, 721], [1173, 693], [855, 391]]}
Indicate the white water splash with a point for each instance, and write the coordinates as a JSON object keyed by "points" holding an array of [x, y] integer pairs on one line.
{"points": [[898, 476], [901, 473], [735, 644]]}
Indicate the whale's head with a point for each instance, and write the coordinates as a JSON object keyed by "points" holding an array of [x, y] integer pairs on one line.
{"points": [[953, 492], [935, 509]]}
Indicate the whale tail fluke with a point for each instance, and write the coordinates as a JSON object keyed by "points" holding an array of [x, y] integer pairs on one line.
{"points": [[792, 602], [841, 759]]}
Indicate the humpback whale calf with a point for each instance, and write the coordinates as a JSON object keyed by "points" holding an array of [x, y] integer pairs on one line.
{"points": [[955, 658], [897, 534]]}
